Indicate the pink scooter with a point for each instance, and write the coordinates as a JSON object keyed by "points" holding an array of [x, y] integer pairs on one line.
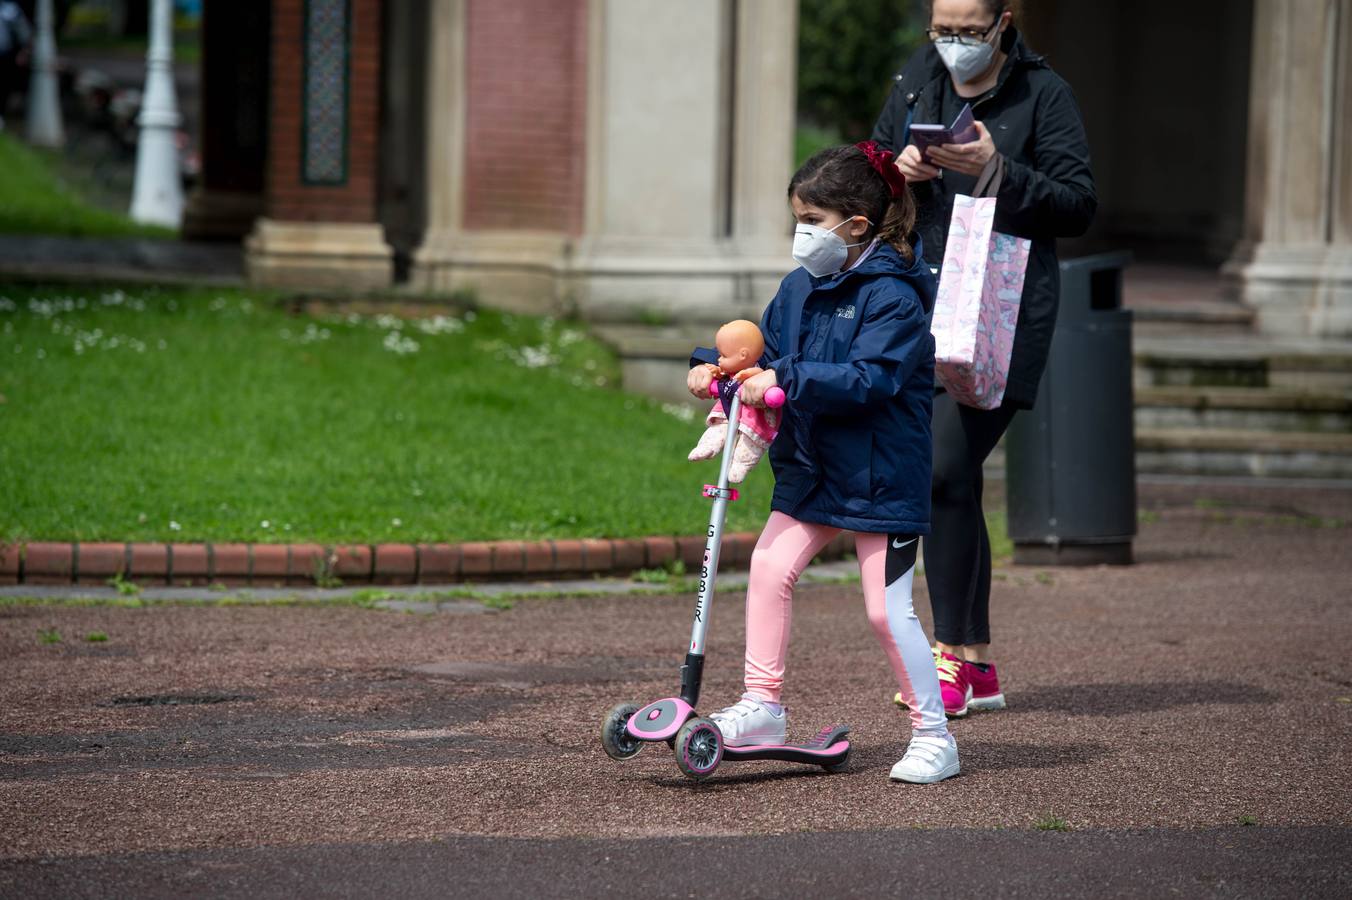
{"points": [[697, 741]]}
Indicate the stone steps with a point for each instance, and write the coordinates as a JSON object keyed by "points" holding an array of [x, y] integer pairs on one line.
{"points": [[1203, 317], [1243, 409], [1175, 300], [1221, 451], [1243, 361], [1232, 452], [1240, 405]]}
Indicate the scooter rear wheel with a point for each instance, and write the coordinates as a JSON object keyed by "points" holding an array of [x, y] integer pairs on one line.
{"points": [[615, 740], [699, 748]]}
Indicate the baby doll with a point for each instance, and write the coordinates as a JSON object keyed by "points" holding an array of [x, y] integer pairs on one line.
{"points": [[740, 345]]}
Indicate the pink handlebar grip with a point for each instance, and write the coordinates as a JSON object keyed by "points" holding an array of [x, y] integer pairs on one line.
{"points": [[774, 397]]}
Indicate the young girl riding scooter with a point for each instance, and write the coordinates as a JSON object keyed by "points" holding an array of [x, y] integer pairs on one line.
{"points": [[846, 338]]}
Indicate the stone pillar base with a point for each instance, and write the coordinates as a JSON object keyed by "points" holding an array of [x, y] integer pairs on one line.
{"points": [[519, 272], [1301, 290], [220, 215], [614, 280], [319, 255], [604, 282]]}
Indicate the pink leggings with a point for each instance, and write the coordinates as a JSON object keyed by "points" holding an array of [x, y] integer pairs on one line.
{"points": [[785, 548]]}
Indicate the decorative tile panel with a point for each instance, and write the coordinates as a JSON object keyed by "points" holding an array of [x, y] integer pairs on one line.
{"points": [[328, 26]]}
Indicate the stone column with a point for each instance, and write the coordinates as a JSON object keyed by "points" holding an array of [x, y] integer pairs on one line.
{"points": [[765, 98], [445, 161], [234, 120], [1299, 279], [321, 227], [689, 156], [505, 161], [688, 159]]}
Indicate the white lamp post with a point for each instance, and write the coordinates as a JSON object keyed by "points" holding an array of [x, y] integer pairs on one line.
{"points": [[157, 193], [44, 91]]}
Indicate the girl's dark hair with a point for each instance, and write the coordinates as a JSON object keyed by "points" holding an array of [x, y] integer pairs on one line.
{"points": [[842, 179]]}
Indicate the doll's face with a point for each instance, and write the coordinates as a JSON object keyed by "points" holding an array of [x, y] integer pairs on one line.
{"points": [[738, 347], [732, 358]]}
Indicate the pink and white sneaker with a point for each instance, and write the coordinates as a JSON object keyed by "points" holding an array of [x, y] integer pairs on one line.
{"points": [[964, 686], [953, 684], [984, 687]]}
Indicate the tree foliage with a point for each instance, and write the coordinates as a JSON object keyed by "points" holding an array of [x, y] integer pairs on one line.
{"points": [[848, 51]]}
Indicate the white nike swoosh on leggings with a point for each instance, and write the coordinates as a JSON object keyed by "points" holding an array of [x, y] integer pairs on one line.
{"points": [[896, 546]]}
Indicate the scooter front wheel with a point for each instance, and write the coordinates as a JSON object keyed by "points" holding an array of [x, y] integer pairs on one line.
{"points": [[699, 748], [615, 739]]}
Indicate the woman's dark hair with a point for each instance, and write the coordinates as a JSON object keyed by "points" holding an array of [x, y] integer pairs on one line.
{"points": [[994, 7], [842, 179]]}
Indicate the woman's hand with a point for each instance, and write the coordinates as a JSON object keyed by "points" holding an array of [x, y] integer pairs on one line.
{"points": [[754, 388], [913, 165], [969, 159], [699, 379]]}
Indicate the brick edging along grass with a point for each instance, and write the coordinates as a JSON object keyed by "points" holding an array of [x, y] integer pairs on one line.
{"points": [[267, 565]]}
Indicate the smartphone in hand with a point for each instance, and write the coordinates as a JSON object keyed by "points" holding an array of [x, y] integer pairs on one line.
{"points": [[962, 131]]}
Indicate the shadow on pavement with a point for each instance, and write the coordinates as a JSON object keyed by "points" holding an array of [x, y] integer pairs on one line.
{"points": [[729, 778], [995, 756], [1129, 698]]}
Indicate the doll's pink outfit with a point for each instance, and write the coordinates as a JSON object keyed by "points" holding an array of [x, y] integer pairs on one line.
{"points": [[756, 428]]}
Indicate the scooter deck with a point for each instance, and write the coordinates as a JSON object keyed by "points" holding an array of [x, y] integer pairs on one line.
{"points": [[827, 748]]}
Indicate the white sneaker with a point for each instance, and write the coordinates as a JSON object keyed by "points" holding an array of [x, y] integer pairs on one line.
{"points": [[927, 760], [750, 723]]}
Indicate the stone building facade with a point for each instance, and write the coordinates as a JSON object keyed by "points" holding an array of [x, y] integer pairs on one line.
{"points": [[625, 160], [1222, 132]]}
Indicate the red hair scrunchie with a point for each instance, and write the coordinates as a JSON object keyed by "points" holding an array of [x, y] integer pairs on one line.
{"points": [[881, 160]]}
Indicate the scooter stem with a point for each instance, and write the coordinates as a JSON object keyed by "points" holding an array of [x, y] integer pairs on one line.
{"points": [[693, 671]]}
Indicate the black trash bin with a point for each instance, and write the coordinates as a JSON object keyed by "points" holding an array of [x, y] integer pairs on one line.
{"points": [[1070, 462]]}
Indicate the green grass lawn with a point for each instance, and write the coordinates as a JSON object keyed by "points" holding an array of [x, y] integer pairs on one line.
{"points": [[35, 200], [218, 415]]}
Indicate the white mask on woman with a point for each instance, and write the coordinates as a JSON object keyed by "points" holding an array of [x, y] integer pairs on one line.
{"points": [[966, 61], [820, 250]]}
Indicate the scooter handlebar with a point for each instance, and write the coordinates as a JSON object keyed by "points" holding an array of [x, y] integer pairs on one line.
{"points": [[774, 397]]}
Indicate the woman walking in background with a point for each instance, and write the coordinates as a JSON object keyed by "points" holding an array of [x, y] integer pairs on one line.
{"points": [[1032, 155]]}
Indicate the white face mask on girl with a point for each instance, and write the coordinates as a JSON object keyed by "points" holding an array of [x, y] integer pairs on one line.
{"points": [[820, 250]]}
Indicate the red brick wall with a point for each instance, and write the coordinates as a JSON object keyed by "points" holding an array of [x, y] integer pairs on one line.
{"points": [[289, 198], [526, 91]]}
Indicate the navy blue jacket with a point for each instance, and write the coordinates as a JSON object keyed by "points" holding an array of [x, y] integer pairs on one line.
{"points": [[854, 355]]}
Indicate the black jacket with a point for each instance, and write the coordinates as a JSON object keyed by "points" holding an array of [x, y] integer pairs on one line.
{"points": [[1047, 189]]}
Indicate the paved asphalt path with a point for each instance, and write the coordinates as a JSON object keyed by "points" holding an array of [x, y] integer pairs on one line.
{"points": [[1188, 719]]}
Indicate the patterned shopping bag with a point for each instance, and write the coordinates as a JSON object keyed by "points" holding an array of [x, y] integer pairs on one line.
{"points": [[977, 307]]}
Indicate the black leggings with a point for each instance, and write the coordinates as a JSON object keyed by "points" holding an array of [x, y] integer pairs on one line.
{"points": [[958, 550]]}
